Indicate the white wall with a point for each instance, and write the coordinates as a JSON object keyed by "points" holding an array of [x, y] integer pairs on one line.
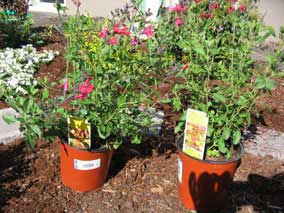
{"points": [[100, 8], [274, 12]]}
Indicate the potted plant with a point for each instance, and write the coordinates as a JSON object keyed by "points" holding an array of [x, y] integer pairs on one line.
{"points": [[103, 90], [210, 45]]}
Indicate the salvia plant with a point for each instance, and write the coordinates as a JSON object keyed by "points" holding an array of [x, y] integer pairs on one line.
{"points": [[211, 43]]}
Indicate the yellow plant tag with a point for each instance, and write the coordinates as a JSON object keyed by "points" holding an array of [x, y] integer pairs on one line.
{"points": [[195, 133], [79, 132]]}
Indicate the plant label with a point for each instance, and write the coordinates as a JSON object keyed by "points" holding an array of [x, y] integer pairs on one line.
{"points": [[179, 170], [195, 133], [87, 165], [79, 132]]}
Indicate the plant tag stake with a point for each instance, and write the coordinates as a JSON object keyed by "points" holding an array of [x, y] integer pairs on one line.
{"points": [[195, 133], [79, 132]]}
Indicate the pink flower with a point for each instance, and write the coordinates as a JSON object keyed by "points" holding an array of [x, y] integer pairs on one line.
{"points": [[184, 67], [134, 41], [231, 9], [103, 33], [121, 30], [113, 41], [66, 84], [242, 8], [149, 31], [178, 8], [85, 89], [197, 1], [178, 22], [206, 15], [214, 6], [76, 3]]}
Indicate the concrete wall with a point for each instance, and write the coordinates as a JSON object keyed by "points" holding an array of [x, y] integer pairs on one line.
{"points": [[273, 9], [100, 8], [274, 12]]}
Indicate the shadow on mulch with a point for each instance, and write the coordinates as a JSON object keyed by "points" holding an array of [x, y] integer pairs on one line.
{"points": [[264, 194], [163, 144], [13, 168]]}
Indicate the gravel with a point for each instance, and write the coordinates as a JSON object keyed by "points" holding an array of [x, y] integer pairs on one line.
{"points": [[267, 142]]}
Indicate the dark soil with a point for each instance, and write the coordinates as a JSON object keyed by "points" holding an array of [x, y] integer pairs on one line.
{"points": [[138, 182], [141, 179], [271, 107]]}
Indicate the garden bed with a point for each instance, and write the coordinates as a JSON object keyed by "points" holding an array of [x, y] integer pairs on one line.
{"points": [[143, 179]]}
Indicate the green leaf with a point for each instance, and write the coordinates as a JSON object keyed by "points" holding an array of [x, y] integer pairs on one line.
{"points": [[177, 104], [136, 140], [101, 135], [221, 146], [30, 140], [116, 144], [270, 84], [9, 119], [270, 32], [166, 101], [219, 97], [179, 127], [262, 82], [259, 83], [226, 134], [237, 137], [44, 94], [213, 153], [36, 130]]}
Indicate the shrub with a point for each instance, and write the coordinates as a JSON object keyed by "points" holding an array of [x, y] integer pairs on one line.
{"points": [[211, 44]]}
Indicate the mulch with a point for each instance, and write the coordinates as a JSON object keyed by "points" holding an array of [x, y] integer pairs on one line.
{"points": [[141, 178]]}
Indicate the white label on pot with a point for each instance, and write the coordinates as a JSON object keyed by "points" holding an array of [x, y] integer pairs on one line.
{"points": [[179, 170], [87, 165]]}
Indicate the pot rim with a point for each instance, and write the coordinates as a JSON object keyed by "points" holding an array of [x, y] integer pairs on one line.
{"points": [[179, 140], [98, 150]]}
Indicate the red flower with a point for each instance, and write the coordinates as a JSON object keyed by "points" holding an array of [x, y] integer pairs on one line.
{"points": [[134, 41], [178, 22], [113, 41], [178, 8], [184, 67], [206, 15], [76, 3], [85, 89], [103, 33], [242, 8], [149, 31], [213, 6], [197, 1], [66, 84], [231, 9], [121, 30]]}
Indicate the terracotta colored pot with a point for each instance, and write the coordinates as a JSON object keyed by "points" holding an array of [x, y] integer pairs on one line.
{"points": [[203, 184], [83, 170]]}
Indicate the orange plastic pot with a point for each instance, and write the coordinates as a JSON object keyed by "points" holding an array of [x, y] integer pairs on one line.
{"points": [[83, 170], [202, 184]]}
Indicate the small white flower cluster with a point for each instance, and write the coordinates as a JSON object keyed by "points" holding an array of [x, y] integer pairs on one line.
{"points": [[17, 66]]}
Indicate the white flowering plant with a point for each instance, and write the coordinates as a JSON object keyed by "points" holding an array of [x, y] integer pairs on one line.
{"points": [[18, 66]]}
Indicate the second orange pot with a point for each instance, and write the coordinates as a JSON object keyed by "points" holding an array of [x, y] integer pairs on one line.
{"points": [[83, 170], [203, 185]]}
